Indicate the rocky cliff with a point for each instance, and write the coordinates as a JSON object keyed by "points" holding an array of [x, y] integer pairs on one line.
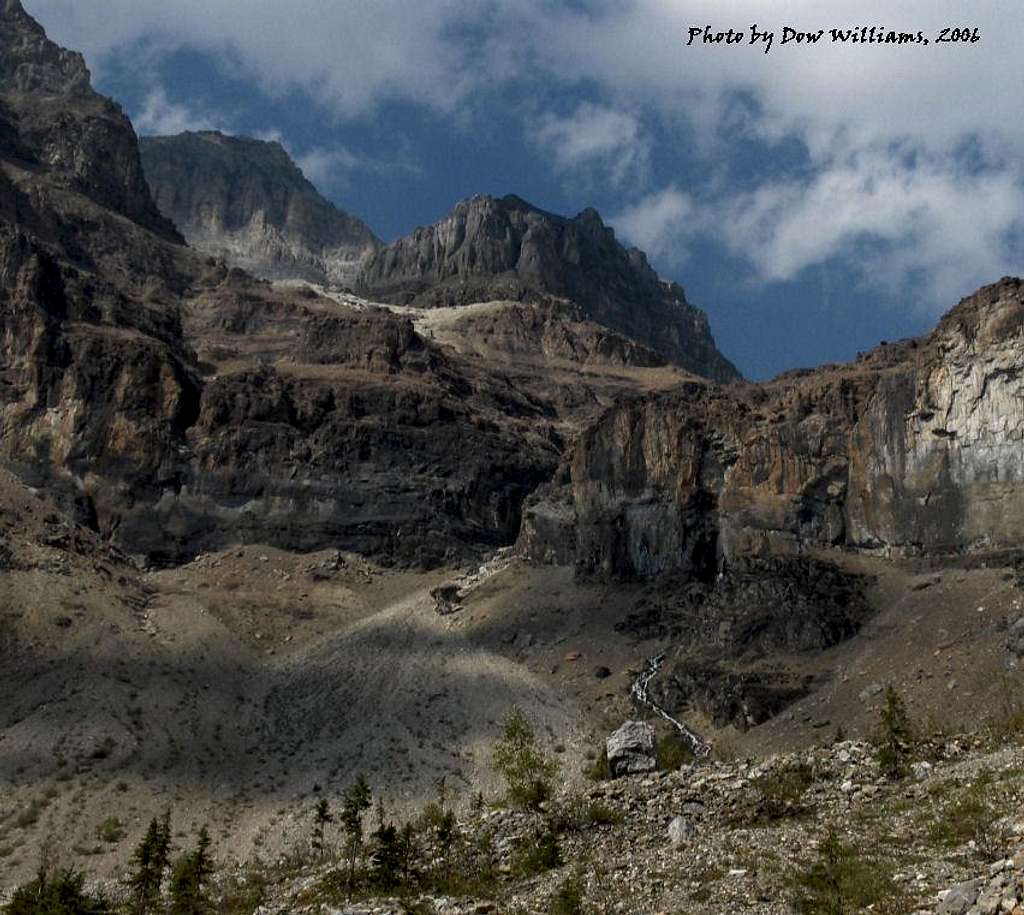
{"points": [[489, 249], [175, 405], [916, 447], [247, 201]]}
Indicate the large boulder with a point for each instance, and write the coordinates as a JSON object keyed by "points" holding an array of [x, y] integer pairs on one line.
{"points": [[632, 749]]}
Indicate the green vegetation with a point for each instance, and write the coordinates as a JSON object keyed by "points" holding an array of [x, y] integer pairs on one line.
{"points": [[536, 853], [673, 752], [569, 896], [842, 881], [355, 802], [149, 863], [190, 879], [968, 817], [322, 816], [110, 831], [528, 773], [62, 894], [778, 795], [895, 738]]}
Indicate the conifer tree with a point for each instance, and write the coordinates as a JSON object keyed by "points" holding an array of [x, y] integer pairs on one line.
{"points": [[322, 816], [527, 771], [190, 877], [355, 802], [148, 861], [896, 737]]}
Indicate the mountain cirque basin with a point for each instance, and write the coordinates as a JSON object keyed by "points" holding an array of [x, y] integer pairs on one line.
{"points": [[229, 506]]}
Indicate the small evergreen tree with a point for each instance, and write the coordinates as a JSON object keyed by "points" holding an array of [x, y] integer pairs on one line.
{"points": [[190, 877], [355, 802], [148, 863], [895, 738], [525, 768], [322, 816], [61, 894]]}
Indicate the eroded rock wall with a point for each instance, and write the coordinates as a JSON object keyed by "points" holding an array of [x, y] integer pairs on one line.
{"points": [[917, 447]]}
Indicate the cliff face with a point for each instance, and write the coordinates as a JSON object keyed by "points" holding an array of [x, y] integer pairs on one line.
{"points": [[175, 405], [917, 447], [50, 116], [246, 200], [490, 249]]}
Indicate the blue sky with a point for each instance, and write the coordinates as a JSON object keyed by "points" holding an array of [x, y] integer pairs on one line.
{"points": [[814, 200]]}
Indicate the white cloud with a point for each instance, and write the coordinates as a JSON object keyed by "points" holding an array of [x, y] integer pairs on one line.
{"points": [[595, 138], [346, 55], [935, 224], [159, 115], [662, 224], [880, 124], [930, 228]]}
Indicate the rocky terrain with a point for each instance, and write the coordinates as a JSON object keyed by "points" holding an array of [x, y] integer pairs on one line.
{"points": [[915, 448], [256, 538], [491, 249], [246, 201]]}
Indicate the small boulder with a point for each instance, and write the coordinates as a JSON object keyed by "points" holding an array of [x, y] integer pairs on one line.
{"points": [[680, 831], [1015, 641], [959, 899], [632, 749], [921, 770]]}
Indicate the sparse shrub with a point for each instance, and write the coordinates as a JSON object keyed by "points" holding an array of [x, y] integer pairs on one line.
{"points": [[841, 881], [533, 854], [568, 896], [673, 752], [578, 813], [110, 831], [62, 894], [598, 770], [1007, 724], [969, 818], [30, 815], [527, 771], [779, 794], [895, 737]]}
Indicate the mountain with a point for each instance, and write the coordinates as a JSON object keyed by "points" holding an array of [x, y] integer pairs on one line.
{"points": [[247, 201], [915, 448], [490, 248]]}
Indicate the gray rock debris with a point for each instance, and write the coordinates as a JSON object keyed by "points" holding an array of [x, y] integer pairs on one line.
{"points": [[632, 749]]}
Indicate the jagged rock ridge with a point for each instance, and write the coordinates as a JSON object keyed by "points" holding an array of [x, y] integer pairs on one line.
{"points": [[489, 249], [247, 201]]}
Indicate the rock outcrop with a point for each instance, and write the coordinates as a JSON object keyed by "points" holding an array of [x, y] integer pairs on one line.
{"points": [[245, 200], [175, 405], [490, 249], [916, 447]]}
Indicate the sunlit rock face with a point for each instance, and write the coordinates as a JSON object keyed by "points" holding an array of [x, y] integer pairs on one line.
{"points": [[916, 447], [491, 248], [245, 200]]}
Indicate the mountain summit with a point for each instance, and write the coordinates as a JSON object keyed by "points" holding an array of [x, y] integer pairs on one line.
{"points": [[247, 201], [505, 248]]}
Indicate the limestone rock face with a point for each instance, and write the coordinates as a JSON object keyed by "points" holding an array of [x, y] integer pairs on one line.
{"points": [[50, 117], [489, 249], [632, 749], [916, 447], [175, 405], [247, 201]]}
